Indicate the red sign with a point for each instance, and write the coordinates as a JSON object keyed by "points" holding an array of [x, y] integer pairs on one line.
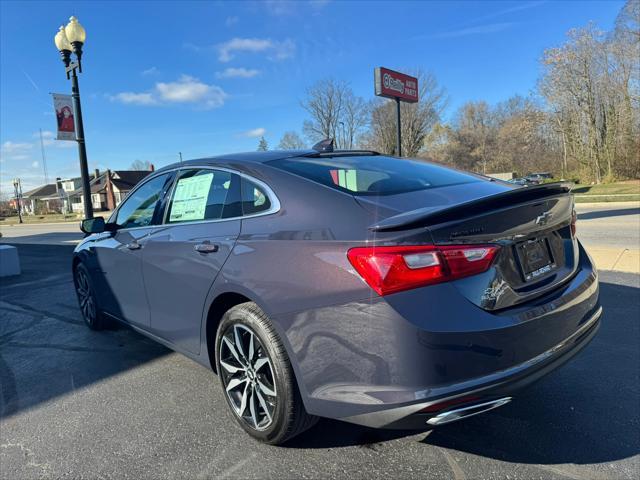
{"points": [[396, 85]]}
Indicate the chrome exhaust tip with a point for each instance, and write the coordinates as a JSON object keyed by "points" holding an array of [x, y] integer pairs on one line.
{"points": [[465, 412]]}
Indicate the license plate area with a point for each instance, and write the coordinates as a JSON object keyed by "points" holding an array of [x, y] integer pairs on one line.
{"points": [[535, 258]]}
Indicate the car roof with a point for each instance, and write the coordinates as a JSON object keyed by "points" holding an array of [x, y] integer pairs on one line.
{"points": [[242, 157], [260, 157]]}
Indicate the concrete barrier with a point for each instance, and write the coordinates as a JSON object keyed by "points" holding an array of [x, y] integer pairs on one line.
{"points": [[9, 261]]}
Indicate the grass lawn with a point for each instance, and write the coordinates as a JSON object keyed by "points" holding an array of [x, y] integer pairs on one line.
{"points": [[50, 218], [606, 198], [630, 187]]}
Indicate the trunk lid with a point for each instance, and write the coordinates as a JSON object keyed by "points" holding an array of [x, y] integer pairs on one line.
{"points": [[532, 225]]}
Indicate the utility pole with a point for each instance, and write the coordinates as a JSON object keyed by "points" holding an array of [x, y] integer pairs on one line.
{"points": [[180, 153], [44, 160]]}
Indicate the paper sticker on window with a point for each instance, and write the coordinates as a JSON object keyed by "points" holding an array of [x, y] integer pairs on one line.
{"points": [[190, 198]]}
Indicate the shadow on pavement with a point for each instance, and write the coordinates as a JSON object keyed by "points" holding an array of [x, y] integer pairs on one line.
{"points": [[609, 213], [45, 349]]}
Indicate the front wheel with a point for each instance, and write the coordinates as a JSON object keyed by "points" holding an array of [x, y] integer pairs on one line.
{"points": [[257, 377], [92, 316]]}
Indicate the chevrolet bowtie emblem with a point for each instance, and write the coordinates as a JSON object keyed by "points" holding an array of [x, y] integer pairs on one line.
{"points": [[544, 218]]}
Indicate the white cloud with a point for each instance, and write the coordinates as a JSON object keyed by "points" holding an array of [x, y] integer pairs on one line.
{"points": [[276, 50], [191, 90], [289, 7], [135, 98], [231, 21], [186, 89], [238, 73], [254, 133], [35, 164], [49, 139], [13, 148], [19, 156], [150, 71]]}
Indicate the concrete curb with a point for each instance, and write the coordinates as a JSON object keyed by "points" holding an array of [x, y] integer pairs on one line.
{"points": [[616, 259]]}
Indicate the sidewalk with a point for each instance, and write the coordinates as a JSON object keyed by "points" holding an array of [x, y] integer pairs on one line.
{"points": [[616, 259]]}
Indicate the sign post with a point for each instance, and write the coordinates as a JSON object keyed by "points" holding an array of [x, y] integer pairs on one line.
{"points": [[400, 87]]}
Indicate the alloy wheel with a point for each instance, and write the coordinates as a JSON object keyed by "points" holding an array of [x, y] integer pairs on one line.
{"points": [[247, 376], [87, 305]]}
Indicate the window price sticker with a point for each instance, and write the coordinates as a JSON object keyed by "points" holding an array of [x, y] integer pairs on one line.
{"points": [[190, 198]]}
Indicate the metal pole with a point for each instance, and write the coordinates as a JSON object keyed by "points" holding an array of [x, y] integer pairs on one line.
{"points": [[16, 185], [399, 128], [82, 151], [44, 160]]}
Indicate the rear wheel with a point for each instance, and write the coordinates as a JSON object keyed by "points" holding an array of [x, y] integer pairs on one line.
{"points": [[257, 378], [92, 316]]}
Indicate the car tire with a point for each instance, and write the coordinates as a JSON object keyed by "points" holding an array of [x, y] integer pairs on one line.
{"points": [[257, 379], [91, 314]]}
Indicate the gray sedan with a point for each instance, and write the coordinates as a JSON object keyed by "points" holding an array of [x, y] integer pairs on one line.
{"points": [[380, 291]]}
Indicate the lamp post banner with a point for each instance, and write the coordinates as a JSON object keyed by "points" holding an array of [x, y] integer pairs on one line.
{"points": [[393, 84], [63, 106]]}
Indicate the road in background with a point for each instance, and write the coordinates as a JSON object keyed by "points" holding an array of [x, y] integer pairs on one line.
{"points": [[614, 225], [67, 233], [611, 234], [113, 404], [609, 231]]}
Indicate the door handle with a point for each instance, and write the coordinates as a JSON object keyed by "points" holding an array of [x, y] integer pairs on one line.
{"points": [[133, 245], [206, 247]]}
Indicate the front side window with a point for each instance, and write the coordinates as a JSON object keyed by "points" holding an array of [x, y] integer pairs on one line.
{"points": [[140, 207], [203, 194]]}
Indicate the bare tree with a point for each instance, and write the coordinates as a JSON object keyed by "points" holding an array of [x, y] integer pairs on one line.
{"points": [[263, 146], [335, 113], [140, 165], [591, 85], [291, 141]]}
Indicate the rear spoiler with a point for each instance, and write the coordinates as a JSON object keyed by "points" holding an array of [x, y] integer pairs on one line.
{"points": [[427, 216]]}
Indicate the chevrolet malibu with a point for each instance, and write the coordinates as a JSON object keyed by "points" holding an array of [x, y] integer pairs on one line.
{"points": [[375, 290]]}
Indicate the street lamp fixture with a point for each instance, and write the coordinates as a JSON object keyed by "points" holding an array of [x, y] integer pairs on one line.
{"points": [[68, 40]]}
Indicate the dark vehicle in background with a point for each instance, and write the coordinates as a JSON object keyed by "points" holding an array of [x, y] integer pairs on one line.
{"points": [[375, 290], [538, 178], [520, 181]]}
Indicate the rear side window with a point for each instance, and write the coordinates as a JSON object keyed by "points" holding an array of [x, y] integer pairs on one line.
{"points": [[372, 175], [254, 198], [203, 194]]}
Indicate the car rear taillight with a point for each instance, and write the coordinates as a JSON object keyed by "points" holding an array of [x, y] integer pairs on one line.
{"points": [[394, 269], [574, 220]]}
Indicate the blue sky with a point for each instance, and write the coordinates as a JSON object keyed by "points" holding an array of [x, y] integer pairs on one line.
{"points": [[210, 77]]}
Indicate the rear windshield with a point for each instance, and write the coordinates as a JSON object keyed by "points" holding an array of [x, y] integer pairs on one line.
{"points": [[372, 175]]}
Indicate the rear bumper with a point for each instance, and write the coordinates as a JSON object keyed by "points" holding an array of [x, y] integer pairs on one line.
{"points": [[380, 360], [493, 386]]}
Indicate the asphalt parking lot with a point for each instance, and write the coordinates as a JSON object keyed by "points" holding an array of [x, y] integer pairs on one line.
{"points": [[77, 403]]}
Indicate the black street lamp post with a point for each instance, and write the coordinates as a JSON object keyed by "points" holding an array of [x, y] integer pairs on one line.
{"points": [[17, 186], [70, 39]]}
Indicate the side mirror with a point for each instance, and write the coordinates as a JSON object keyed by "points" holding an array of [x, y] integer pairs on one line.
{"points": [[93, 225]]}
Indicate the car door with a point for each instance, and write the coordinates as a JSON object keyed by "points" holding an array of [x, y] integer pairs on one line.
{"points": [[119, 254], [181, 260]]}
